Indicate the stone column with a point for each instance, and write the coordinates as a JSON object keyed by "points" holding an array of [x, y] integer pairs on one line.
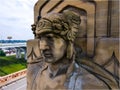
{"points": [[18, 53]]}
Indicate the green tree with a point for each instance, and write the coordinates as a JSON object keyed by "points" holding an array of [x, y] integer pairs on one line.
{"points": [[2, 53]]}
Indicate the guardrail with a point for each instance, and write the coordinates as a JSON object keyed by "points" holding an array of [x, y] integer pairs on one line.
{"points": [[12, 77], [3, 45]]}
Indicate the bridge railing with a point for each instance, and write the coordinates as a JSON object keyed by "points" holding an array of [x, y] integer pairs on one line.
{"points": [[12, 77], [4, 45]]}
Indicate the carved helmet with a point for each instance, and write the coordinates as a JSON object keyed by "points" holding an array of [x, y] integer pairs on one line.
{"points": [[64, 24]]}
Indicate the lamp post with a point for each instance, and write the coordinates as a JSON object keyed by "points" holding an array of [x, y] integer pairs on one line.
{"points": [[9, 38]]}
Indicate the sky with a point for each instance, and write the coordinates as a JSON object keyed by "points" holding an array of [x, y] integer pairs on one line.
{"points": [[16, 17]]}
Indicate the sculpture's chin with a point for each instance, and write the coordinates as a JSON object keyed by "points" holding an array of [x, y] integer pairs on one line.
{"points": [[49, 60]]}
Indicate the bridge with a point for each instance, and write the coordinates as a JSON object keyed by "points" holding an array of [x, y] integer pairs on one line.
{"points": [[19, 47], [12, 45]]}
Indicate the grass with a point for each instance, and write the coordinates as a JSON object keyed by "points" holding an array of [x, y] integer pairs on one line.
{"points": [[9, 64]]}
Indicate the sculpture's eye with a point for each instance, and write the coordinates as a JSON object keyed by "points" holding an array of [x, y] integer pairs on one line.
{"points": [[49, 38]]}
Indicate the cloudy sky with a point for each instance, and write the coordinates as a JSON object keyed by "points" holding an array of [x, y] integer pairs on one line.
{"points": [[16, 17]]}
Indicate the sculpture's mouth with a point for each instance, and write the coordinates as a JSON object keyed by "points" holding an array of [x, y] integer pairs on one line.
{"points": [[47, 54]]}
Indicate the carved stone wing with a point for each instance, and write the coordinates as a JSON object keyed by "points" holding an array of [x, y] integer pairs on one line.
{"points": [[101, 73], [33, 52]]}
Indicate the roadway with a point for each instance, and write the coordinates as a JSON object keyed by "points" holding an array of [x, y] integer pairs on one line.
{"points": [[17, 85]]}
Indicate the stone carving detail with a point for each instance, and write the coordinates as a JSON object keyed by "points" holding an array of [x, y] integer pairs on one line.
{"points": [[61, 58]]}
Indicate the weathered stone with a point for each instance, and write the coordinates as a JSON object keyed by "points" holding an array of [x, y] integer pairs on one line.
{"points": [[76, 45]]}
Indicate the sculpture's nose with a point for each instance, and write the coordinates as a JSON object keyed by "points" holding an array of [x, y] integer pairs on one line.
{"points": [[44, 44]]}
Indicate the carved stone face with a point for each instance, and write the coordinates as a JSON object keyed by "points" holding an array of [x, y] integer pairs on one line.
{"points": [[52, 47]]}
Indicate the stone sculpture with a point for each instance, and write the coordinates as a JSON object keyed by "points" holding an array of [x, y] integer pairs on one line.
{"points": [[56, 63]]}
